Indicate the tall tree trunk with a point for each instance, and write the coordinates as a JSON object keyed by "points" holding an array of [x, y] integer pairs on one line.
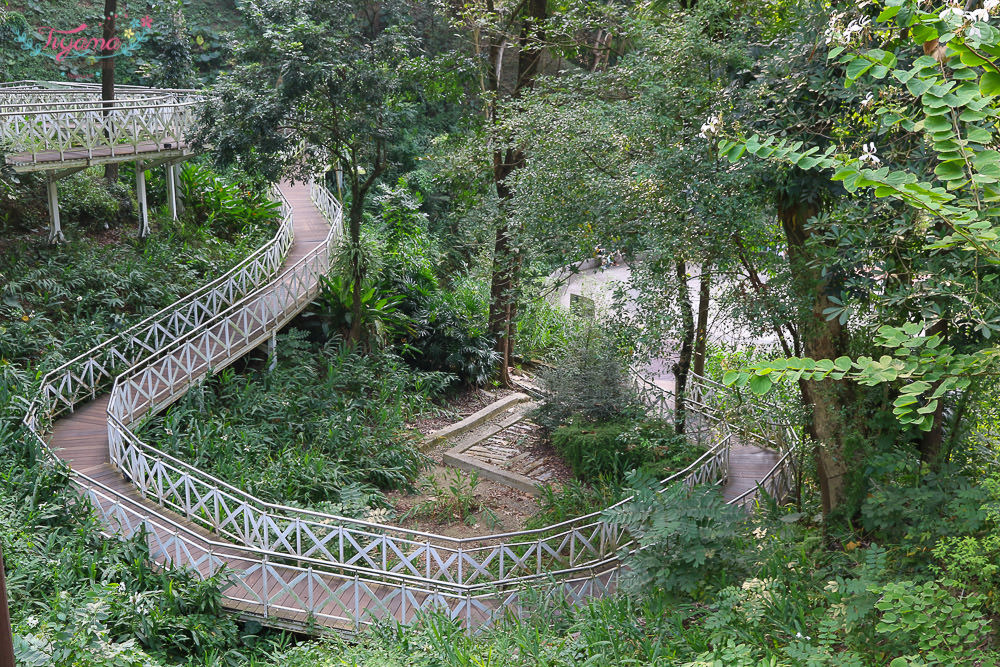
{"points": [[683, 364], [701, 330], [108, 73], [821, 339], [502, 300], [506, 263], [355, 216]]}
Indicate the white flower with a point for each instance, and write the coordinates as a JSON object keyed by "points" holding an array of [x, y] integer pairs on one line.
{"points": [[710, 127], [978, 15], [31, 622], [857, 25], [949, 12], [79, 298], [869, 98], [759, 532], [990, 5], [868, 155]]}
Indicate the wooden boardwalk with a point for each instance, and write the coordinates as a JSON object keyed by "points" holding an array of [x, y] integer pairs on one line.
{"points": [[283, 589], [81, 157], [747, 465]]}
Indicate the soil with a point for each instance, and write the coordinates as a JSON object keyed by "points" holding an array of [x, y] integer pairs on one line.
{"points": [[458, 407], [505, 509], [510, 507]]}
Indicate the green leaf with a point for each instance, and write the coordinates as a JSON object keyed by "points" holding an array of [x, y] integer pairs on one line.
{"points": [[855, 69], [989, 84], [918, 87], [888, 13], [730, 378], [760, 384], [950, 171], [843, 363]]}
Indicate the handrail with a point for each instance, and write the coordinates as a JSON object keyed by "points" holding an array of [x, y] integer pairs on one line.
{"points": [[37, 121]]}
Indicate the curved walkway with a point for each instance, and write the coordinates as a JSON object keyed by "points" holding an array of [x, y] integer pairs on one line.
{"points": [[297, 568]]}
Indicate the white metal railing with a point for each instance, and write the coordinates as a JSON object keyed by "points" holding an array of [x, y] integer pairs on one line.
{"points": [[343, 600], [753, 420], [36, 121]]}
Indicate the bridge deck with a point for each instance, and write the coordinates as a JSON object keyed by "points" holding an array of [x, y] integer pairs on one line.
{"points": [[747, 465], [72, 159]]}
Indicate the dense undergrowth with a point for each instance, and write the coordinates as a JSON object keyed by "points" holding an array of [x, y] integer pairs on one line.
{"points": [[326, 428]]}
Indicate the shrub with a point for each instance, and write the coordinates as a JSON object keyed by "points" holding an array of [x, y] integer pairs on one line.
{"points": [[931, 623], [589, 382], [445, 338], [86, 199], [686, 539], [543, 329], [224, 207], [917, 516], [610, 449], [328, 425]]}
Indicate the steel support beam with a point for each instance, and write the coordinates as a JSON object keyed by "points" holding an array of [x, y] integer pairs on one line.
{"points": [[176, 171], [272, 351], [55, 227], [171, 191]]}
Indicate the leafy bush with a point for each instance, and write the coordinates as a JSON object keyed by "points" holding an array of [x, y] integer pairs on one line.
{"points": [[543, 329], [917, 515], [931, 623], [611, 449], [686, 540], [445, 329], [573, 499], [588, 382], [446, 338], [89, 201], [224, 207]]}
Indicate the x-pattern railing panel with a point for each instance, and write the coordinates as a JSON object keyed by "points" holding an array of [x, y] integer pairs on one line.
{"points": [[33, 123]]}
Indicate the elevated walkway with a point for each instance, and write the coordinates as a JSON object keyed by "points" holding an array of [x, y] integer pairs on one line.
{"points": [[60, 129]]}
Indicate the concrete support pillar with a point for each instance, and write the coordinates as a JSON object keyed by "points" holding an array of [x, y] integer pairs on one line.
{"points": [[272, 351], [140, 193], [55, 227], [171, 191], [176, 175]]}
